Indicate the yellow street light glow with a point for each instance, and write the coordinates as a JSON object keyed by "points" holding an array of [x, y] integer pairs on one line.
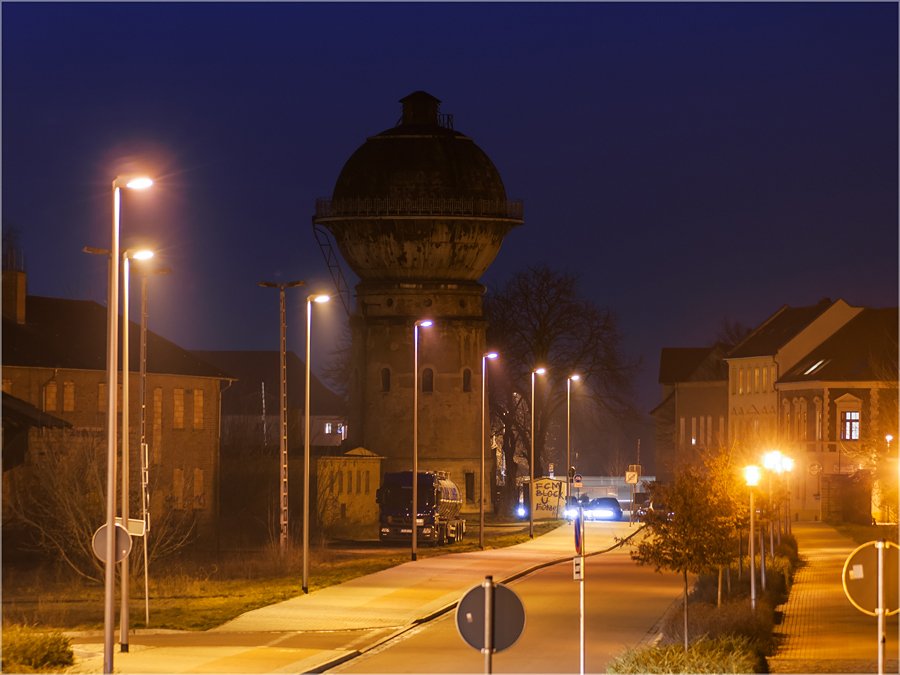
{"points": [[139, 183], [540, 371], [772, 460], [751, 473], [491, 355], [787, 463], [888, 438], [143, 255], [322, 298]]}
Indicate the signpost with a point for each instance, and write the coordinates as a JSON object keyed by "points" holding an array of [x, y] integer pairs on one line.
{"points": [[579, 571], [490, 617], [631, 478], [870, 580], [121, 546]]}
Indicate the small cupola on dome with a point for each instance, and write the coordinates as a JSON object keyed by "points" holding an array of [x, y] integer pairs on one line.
{"points": [[420, 108]]}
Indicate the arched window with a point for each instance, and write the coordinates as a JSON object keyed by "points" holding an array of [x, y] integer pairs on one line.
{"points": [[428, 380], [467, 380], [385, 379]]}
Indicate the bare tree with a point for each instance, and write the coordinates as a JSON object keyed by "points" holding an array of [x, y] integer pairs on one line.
{"points": [[730, 332], [337, 367], [59, 496], [540, 318]]}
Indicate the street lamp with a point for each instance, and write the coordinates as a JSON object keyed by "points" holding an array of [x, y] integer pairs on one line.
{"points": [[751, 474], [484, 357], [112, 343], [536, 371], [283, 495], [414, 513], [787, 465], [145, 459], [124, 612], [572, 378], [309, 301]]}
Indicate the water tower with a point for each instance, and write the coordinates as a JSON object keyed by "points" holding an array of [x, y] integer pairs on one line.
{"points": [[418, 213]]}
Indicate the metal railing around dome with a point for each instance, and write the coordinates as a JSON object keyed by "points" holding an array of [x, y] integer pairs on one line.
{"points": [[424, 206]]}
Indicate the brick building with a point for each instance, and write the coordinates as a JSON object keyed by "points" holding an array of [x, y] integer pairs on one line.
{"points": [[54, 360]]}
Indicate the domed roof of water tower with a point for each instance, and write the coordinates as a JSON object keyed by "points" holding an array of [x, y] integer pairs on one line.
{"points": [[422, 156]]}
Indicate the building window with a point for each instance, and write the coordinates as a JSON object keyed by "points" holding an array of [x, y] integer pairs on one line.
{"points": [[340, 477], [741, 381], [765, 379], [358, 481], [702, 430], [773, 378], [467, 380], [198, 408], [178, 489], [50, 396], [327, 427], [7, 387], [709, 430], [721, 429], [349, 482], [179, 409], [850, 425], [756, 380], [68, 396], [385, 379], [470, 486], [199, 494], [428, 380], [101, 398], [693, 431], [818, 402]]}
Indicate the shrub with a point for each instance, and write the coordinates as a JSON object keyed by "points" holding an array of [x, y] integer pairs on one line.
{"points": [[709, 622], [25, 649], [729, 654]]}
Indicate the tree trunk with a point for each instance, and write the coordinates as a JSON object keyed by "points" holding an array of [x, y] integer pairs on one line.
{"points": [[740, 555], [728, 576], [686, 641], [719, 601]]}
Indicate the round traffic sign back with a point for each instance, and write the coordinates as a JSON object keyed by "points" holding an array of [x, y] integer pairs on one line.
{"points": [[860, 578], [122, 545], [509, 617]]}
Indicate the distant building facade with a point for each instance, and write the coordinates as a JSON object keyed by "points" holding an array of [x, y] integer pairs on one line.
{"points": [[54, 358]]}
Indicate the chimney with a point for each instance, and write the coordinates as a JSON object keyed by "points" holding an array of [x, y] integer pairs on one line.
{"points": [[14, 295]]}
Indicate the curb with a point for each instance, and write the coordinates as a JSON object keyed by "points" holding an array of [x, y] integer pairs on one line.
{"points": [[443, 610]]}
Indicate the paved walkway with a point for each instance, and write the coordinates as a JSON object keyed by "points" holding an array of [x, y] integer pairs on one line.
{"points": [[821, 631], [309, 633]]}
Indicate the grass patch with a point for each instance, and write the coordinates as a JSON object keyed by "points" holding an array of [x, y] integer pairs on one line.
{"points": [[26, 650], [215, 591], [862, 534], [729, 654]]}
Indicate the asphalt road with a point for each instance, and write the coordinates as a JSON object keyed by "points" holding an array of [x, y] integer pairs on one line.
{"points": [[623, 602]]}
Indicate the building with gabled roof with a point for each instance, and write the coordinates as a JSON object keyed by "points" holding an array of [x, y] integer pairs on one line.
{"points": [[54, 359], [693, 413]]}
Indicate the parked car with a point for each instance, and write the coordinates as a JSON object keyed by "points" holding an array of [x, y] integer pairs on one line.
{"points": [[650, 507], [603, 508]]}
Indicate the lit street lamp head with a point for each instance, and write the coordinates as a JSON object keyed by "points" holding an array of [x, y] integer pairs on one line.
{"points": [[751, 473], [575, 377], [135, 182], [425, 323], [320, 298], [772, 460], [143, 254], [540, 371], [491, 355]]}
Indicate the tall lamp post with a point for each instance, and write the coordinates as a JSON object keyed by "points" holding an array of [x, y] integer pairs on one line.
{"points": [[124, 611], [787, 465], [751, 473], [283, 493], [536, 371], [484, 358], [145, 459], [572, 378], [414, 513], [112, 344], [772, 461], [309, 302]]}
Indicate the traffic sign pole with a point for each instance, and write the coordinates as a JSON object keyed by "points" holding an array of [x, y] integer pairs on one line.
{"points": [[880, 609], [581, 581], [488, 622]]}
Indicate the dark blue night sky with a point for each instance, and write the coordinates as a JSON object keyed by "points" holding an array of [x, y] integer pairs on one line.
{"points": [[690, 161]]}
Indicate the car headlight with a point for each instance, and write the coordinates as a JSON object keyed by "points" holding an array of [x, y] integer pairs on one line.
{"points": [[604, 513], [570, 513]]}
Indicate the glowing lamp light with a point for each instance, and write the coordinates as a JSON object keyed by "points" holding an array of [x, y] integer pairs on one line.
{"points": [[540, 371], [575, 377], [143, 255], [772, 460], [888, 438], [139, 183], [787, 463], [322, 298], [491, 355], [751, 474], [426, 323]]}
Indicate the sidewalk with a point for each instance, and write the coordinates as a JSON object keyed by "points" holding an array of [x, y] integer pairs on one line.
{"points": [[313, 632], [821, 631]]}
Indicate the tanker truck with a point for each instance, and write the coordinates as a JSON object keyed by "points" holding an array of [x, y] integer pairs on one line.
{"points": [[438, 513]]}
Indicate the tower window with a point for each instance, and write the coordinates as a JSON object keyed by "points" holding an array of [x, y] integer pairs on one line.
{"points": [[467, 380], [428, 380], [385, 379]]}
